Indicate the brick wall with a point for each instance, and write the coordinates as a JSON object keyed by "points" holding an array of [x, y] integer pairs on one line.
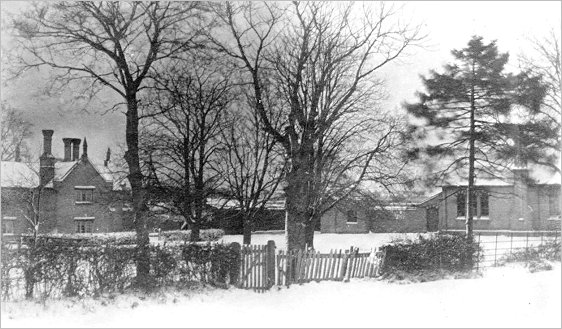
{"points": [[506, 212], [67, 208], [335, 221], [410, 220]]}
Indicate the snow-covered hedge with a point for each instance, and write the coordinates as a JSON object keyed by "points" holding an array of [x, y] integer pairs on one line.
{"points": [[63, 267], [439, 252], [182, 235]]}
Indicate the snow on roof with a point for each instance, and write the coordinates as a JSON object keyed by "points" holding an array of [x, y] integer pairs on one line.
{"points": [[538, 176], [63, 168], [19, 174]]}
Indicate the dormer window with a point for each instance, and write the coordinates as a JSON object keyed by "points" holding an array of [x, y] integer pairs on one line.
{"points": [[84, 194]]}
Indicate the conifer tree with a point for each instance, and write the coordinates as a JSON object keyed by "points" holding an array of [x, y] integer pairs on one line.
{"points": [[465, 117]]}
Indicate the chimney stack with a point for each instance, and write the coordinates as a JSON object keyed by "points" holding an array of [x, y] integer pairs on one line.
{"points": [[67, 149], [47, 141], [75, 149], [47, 160]]}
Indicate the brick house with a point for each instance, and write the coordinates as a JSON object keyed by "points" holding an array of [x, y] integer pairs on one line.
{"points": [[69, 195], [364, 217], [522, 203]]}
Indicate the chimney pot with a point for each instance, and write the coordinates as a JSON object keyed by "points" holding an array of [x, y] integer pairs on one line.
{"points": [[47, 141], [67, 149], [75, 149]]}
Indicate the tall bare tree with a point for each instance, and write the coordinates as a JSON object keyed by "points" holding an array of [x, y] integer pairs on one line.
{"points": [[324, 58], [181, 140], [115, 46], [251, 164], [546, 60], [14, 133]]}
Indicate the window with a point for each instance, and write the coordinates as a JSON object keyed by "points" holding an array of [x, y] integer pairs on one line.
{"points": [[84, 224], [352, 216], [554, 203], [484, 204], [8, 225], [461, 204], [479, 204], [84, 194]]}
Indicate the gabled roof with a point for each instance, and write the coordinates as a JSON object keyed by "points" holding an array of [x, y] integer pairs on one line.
{"points": [[538, 176], [26, 175]]}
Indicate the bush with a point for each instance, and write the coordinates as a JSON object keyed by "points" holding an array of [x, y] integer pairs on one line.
{"points": [[535, 257], [441, 252], [210, 263], [183, 235], [62, 267]]}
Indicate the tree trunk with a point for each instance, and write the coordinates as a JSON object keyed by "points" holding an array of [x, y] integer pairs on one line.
{"points": [[135, 179], [470, 188], [295, 210], [247, 230], [310, 227], [196, 223]]}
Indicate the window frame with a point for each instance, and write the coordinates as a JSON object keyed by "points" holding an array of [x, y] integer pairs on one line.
{"points": [[12, 221], [84, 225], [477, 204], [82, 193], [553, 199], [350, 213]]}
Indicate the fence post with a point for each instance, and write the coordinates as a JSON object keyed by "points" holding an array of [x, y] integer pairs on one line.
{"points": [[270, 264], [235, 266], [496, 250]]}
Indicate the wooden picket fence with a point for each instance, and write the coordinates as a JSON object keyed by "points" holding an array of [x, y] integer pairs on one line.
{"points": [[261, 267]]}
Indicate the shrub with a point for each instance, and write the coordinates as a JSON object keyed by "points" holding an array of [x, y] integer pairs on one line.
{"points": [[441, 252], [209, 263], [535, 257], [62, 267], [184, 235]]}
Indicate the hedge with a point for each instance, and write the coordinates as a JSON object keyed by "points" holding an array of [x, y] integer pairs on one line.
{"points": [[56, 268], [440, 252]]}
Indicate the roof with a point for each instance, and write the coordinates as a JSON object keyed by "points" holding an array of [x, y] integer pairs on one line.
{"points": [[19, 174], [537, 176]]}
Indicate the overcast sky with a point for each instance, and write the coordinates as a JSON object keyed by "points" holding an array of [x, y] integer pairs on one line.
{"points": [[448, 24]]}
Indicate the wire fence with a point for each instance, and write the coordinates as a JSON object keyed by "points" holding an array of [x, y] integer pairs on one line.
{"points": [[496, 247]]}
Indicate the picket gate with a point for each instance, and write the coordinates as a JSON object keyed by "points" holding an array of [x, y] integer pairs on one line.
{"points": [[261, 267]]}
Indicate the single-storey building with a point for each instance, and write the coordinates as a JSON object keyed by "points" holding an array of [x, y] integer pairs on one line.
{"points": [[522, 202]]}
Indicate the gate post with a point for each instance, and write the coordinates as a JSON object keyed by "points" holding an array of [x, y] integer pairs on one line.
{"points": [[270, 265], [235, 266]]}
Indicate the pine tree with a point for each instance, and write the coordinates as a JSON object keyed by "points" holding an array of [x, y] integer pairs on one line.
{"points": [[464, 118]]}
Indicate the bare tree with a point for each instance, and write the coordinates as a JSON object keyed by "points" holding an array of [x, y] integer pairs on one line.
{"points": [[14, 133], [182, 138], [546, 61], [114, 46], [251, 165], [324, 58]]}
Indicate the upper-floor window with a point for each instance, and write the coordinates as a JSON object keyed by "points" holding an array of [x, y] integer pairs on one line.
{"points": [[479, 204], [84, 194], [554, 203], [351, 216], [8, 225]]}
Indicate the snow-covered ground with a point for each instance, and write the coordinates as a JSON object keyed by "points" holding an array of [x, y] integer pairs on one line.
{"points": [[324, 242], [503, 297]]}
